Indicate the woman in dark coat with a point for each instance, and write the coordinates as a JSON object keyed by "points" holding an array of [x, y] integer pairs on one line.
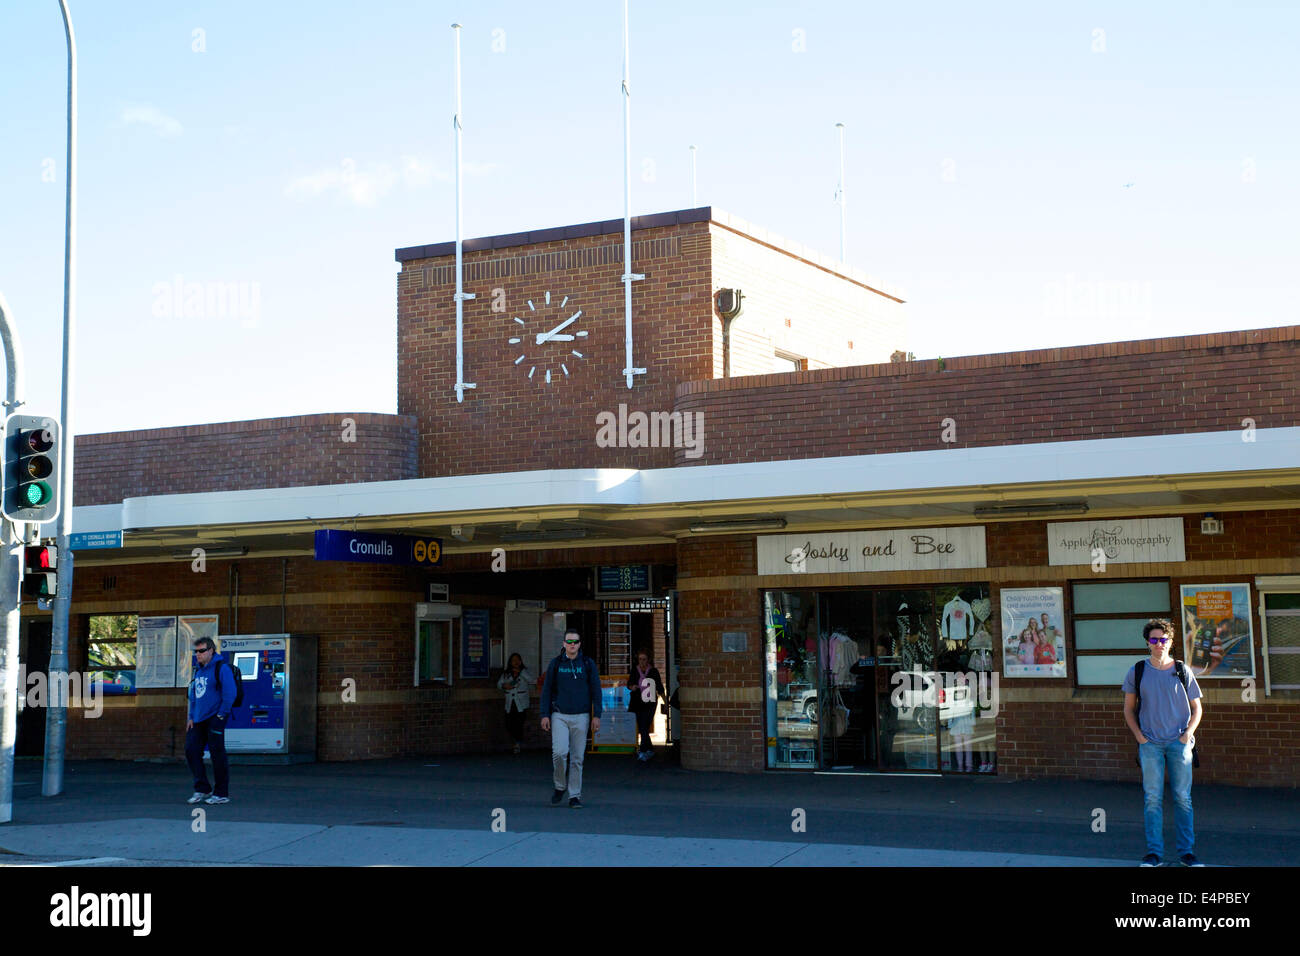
{"points": [[647, 688]]}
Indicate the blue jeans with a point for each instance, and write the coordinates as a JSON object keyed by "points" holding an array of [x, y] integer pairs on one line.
{"points": [[1155, 758]]}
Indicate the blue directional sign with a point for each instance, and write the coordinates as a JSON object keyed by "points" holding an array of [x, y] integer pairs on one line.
{"points": [[85, 540], [371, 548]]}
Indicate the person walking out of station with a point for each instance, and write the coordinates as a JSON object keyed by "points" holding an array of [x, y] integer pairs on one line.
{"points": [[570, 702], [647, 687], [515, 681]]}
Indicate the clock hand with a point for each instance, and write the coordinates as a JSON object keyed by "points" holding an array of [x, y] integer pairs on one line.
{"points": [[546, 336]]}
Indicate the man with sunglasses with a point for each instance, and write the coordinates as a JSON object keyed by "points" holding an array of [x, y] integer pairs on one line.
{"points": [[570, 700], [206, 726], [1163, 714]]}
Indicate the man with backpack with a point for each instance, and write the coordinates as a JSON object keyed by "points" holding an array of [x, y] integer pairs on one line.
{"points": [[570, 700], [1162, 706], [214, 692]]}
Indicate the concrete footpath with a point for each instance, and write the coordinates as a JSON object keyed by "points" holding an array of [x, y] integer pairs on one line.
{"points": [[496, 811]]}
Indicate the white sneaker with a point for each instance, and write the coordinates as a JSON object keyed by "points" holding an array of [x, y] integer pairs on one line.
{"points": [[215, 799], [197, 797]]}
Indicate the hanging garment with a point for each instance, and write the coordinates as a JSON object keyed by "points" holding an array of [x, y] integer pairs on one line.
{"points": [[958, 622]]}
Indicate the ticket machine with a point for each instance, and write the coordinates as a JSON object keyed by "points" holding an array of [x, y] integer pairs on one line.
{"points": [[278, 715]]}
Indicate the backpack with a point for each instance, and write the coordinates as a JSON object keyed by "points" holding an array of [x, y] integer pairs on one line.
{"points": [[1181, 670], [239, 683]]}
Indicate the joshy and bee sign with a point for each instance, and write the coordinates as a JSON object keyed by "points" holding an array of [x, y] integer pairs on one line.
{"points": [[855, 552]]}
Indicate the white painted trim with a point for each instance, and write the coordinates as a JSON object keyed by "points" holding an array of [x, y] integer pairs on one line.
{"points": [[1157, 456]]}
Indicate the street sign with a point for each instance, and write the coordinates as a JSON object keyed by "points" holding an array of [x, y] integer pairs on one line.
{"points": [[86, 540], [372, 548]]}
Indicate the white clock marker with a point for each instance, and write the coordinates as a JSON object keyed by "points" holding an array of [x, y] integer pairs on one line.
{"points": [[530, 375], [531, 307], [582, 334], [520, 359], [566, 299], [548, 298], [548, 382], [515, 341], [520, 321], [579, 354], [566, 372]]}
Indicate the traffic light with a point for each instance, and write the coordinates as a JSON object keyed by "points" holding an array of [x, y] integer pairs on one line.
{"points": [[31, 450], [40, 571]]}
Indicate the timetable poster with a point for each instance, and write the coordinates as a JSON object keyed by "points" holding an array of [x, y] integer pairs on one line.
{"points": [[155, 652]]}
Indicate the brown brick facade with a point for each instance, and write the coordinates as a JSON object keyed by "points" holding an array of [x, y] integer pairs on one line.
{"points": [[265, 453], [1156, 387]]}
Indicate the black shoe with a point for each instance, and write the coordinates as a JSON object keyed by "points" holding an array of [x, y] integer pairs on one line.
{"points": [[575, 803], [556, 797], [1189, 859], [1151, 860]]}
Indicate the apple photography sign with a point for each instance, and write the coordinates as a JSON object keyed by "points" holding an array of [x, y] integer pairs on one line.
{"points": [[855, 552], [1131, 541]]}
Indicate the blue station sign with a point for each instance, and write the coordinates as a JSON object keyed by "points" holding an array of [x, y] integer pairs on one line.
{"points": [[85, 540], [371, 548]]}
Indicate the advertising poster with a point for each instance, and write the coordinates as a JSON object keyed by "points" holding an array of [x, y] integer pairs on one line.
{"points": [[474, 642], [189, 629], [155, 652], [1033, 632], [1218, 635]]}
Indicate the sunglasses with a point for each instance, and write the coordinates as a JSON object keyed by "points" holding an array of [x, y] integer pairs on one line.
{"points": [[1157, 640], [202, 650], [573, 642]]}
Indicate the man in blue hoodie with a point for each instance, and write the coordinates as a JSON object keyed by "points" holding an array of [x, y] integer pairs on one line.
{"points": [[570, 697], [206, 727]]}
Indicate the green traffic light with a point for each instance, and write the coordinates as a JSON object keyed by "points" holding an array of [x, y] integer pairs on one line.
{"points": [[35, 494]]}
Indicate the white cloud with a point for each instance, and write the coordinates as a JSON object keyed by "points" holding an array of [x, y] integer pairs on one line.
{"points": [[365, 186], [151, 116]]}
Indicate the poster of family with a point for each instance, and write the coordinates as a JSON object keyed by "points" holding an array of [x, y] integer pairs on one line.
{"points": [[1033, 632]]}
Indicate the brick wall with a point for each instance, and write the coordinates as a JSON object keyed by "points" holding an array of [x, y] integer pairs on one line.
{"points": [[265, 453], [1159, 386], [722, 716], [511, 422]]}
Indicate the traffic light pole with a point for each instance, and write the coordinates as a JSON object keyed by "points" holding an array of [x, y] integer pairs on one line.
{"points": [[56, 722], [10, 548]]}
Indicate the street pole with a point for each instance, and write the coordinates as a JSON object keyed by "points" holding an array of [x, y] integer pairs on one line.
{"points": [[56, 721], [10, 549]]}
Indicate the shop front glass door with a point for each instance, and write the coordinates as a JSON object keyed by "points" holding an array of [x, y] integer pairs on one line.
{"points": [[907, 712], [793, 680]]}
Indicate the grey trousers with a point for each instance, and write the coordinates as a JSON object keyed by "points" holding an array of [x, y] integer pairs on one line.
{"points": [[569, 741]]}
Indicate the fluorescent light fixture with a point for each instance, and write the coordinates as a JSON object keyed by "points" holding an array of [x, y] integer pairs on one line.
{"points": [[209, 553], [742, 524], [1007, 511]]}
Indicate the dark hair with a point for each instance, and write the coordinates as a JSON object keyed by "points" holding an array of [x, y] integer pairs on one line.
{"points": [[203, 643], [574, 633], [1158, 624], [512, 660], [649, 658]]}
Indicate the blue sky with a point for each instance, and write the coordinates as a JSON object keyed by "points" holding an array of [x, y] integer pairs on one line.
{"points": [[1031, 174]]}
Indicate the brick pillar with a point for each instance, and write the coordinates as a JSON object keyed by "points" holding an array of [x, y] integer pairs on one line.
{"points": [[721, 693]]}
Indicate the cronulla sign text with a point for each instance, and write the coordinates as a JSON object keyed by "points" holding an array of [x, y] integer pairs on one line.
{"points": [[854, 552]]}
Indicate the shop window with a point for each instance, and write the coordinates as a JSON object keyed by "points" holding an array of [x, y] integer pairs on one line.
{"points": [[1108, 619], [111, 654], [1281, 620]]}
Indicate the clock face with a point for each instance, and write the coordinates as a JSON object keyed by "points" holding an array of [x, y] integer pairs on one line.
{"points": [[547, 340]]}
